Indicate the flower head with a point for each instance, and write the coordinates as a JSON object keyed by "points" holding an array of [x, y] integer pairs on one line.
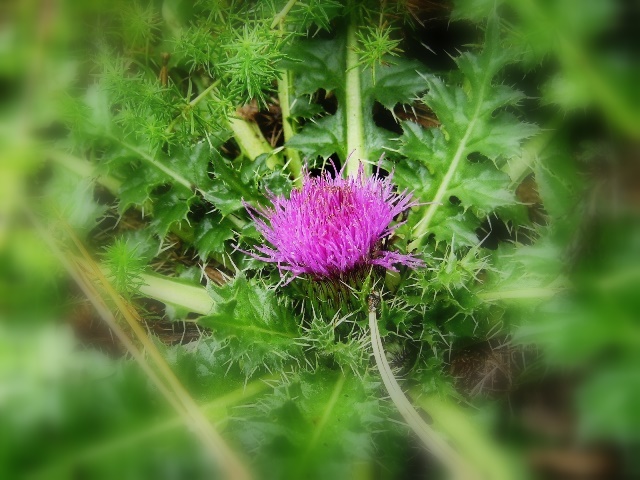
{"points": [[332, 227]]}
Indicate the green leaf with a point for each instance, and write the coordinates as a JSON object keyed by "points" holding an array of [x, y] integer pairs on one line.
{"points": [[451, 225], [296, 429], [108, 419], [321, 64], [193, 163], [473, 126], [223, 198], [260, 329], [399, 81], [483, 188], [233, 184], [136, 189], [211, 234], [323, 137], [170, 209]]}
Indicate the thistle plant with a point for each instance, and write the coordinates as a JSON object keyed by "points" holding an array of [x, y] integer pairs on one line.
{"points": [[165, 255]]}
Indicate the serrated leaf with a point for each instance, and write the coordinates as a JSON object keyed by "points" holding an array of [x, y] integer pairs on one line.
{"points": [[233, 184], [193, 163], [472, 124], [211, 235], [395, 83], [399, 81], [483, 188], [322, 62], [223, 198], [451, 225], [262, 331], [427, 145], [299, 425], [135, 191], [322, 137], [169, 209]]}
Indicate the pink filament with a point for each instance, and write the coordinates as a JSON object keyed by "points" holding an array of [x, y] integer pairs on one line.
{"points": [[332, 226]]}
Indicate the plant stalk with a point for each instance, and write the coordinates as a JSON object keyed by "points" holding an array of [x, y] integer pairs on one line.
{"points": [[250, 139], [283, 13], [166, 290], [455, 464], [356, 150], [294, 163]]}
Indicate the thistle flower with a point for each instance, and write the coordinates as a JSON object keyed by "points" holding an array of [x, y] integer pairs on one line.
{"points": [[332, 227]]}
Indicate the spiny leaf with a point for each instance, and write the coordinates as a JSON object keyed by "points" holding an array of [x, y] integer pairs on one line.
{"points": [[321, 64], [261, 330], [211, 234], [169, 209], [469, 128], [294, 430]]}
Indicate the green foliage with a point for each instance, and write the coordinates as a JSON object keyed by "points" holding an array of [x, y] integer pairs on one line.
{"points": [[464, 155], [125, 264], [376, 46], [147, 146], [299, 424], [260, 328], [322, 339], [570, 33], [318, 13], [106, 418], [320, 64], [251, 62]]}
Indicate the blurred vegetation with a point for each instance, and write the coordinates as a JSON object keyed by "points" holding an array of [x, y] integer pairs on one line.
{"points": [[139, 341]]}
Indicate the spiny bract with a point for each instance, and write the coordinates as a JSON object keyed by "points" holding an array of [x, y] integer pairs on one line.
{"points": [[332, 227]]}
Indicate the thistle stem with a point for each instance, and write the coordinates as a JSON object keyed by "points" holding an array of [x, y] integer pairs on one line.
{"points": [[356, 150], [249, 137], [431, 440], [294, 163], [195, 299], [283, 13]]}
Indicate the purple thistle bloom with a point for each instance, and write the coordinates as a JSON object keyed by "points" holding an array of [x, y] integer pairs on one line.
{"points": [[332, 227]]}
